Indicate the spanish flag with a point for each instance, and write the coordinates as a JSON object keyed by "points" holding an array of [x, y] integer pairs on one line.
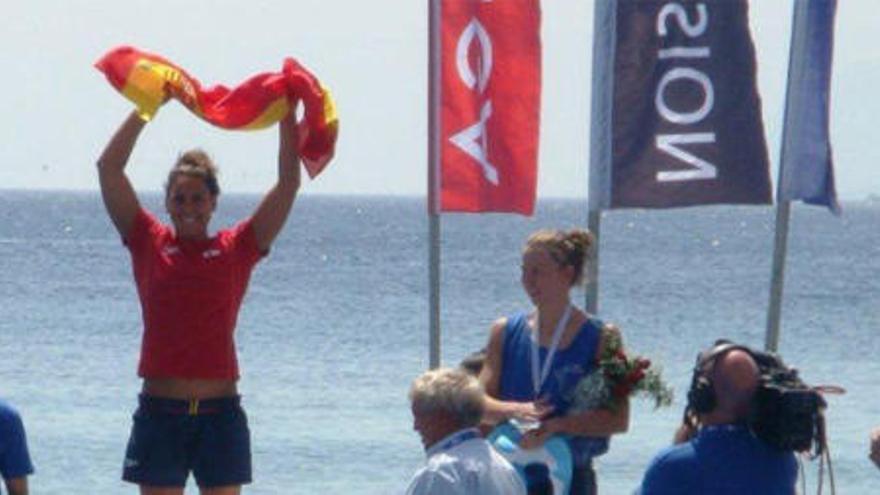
{"points": [[148, 80]]}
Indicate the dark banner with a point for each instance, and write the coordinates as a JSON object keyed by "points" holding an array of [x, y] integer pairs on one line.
{"points": [[686, 117]]}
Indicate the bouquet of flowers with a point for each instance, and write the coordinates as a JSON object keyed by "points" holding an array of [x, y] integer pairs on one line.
{"points": [[618, 376]]}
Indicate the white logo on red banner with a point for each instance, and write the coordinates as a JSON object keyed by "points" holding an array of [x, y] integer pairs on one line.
{"points": [[490, 103]]}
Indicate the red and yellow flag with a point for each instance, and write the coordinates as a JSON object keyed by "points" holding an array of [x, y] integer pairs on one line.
{"points": [[148, 80]]}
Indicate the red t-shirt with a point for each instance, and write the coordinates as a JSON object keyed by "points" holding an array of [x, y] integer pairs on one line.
{"points": [[190, 293]]}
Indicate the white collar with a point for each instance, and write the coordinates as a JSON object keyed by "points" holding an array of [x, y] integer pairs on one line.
{"points": [[451, 440]]}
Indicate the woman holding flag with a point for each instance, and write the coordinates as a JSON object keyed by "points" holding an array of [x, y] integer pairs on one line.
{"points": [[191, 284], [534, 360]]}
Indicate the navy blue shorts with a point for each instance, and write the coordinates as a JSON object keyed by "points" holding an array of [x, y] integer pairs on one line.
{"points": [[170, 438]]}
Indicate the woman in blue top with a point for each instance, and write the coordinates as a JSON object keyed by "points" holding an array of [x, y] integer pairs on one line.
{"points": [[535, 383]]}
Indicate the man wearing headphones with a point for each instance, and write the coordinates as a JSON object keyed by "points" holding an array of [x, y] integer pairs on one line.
{"points": [[716, 453]]}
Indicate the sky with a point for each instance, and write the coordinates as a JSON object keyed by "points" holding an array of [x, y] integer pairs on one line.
{"points": [[58, 111]]}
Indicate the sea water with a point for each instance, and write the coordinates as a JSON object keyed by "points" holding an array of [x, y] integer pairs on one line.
{"points": [[334, 327]]}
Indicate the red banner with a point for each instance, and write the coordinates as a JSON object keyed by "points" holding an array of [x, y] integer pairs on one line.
{"points": [[490, 94]]}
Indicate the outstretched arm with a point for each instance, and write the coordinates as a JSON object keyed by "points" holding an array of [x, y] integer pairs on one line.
{"points": [[497, 410], [592, 423], [119, 196], [273, 210]]}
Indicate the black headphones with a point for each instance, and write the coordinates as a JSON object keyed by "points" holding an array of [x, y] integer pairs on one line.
{"points": [[701, 396]]}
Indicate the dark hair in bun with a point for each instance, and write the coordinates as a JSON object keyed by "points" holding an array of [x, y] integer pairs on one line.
{"points": [[195, 163]]}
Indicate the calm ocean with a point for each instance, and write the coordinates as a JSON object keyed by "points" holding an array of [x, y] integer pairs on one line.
{"points": [[333, 328]]}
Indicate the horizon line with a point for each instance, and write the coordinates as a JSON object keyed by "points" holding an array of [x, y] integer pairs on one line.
{"points": [[869, 197]]}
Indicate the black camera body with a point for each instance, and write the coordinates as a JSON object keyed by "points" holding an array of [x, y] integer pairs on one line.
{"points": [[786, 413]]}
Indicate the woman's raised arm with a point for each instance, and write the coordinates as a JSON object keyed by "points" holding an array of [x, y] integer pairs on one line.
{"points": [[119, 196], [273, 210]]}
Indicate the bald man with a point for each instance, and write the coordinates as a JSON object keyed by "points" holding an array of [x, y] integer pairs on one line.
{"points": [[722, 457]]}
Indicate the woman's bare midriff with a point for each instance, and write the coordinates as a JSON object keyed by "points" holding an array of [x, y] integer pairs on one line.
{"points": [[176, 388]]}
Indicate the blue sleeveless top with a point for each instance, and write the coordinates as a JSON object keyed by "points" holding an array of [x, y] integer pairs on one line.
{"points": [[569, 366]]}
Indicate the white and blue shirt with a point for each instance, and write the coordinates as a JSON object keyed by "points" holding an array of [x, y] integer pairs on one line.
{"points": [[464, 463]]}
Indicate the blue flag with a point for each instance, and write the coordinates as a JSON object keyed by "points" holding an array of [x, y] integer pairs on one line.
{"points": [[806, 171]]}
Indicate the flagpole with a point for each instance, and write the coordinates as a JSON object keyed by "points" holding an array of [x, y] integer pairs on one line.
{"points": [[783, 206], [434, 276], [780, 247], [600, 136], [433, 183], [591, 305]]}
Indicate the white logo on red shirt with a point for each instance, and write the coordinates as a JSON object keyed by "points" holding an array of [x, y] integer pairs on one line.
{"points": [[211, 253]]}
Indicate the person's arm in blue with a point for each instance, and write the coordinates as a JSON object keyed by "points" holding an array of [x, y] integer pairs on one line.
{"points": [[15, 461], [497, 410]]}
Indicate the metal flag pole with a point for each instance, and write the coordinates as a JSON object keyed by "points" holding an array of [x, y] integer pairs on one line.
{"points": [[433, 183], [591, 305], [780, 246], [434, 300], [783, 207], [600, 136]]}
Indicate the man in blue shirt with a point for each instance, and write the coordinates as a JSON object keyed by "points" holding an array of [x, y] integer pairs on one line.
{"points": [[15, 462], [723, 456]]}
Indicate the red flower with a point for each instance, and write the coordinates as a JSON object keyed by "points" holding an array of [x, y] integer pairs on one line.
{"points": [[639, 374]]}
